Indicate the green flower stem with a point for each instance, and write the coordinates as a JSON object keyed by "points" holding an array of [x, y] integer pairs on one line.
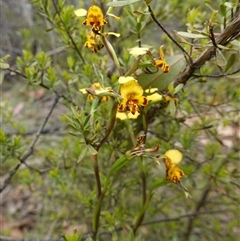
{"points": [[145, 198], [101, 194], [134, 67], [140, 217], [144, 180], [130, 131], [97, 211], [111, 124], [144, 121], [94, 105], [112, 54], [97, 176]]}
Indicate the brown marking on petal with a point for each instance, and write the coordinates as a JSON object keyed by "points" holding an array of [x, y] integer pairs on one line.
{"points": [[145, 101], [133, 108], [159, 63], [175, 179], [166, 69], [167, 162], [174, 174], [120, 107]]}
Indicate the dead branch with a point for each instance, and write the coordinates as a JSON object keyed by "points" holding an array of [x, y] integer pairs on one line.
{"points": [[231, 32]]}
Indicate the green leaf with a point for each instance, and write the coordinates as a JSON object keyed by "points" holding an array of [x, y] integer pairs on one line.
{"points": [[1, 77], [92, 150], [122, 3], [171, 88], [191, 35], [73, 237], [230, 62], [4, 65], [161, 80], [228, 4], [158, 183], [148, 1], [118, 164], [234, 76], [70, 62], [51, 75], [178, 88], [213, 16], [83, 153], [220, 59], [139, 27], [192, 14], [5, 58], [172, 107], [222, 9], [2, 136], [87, 150]]}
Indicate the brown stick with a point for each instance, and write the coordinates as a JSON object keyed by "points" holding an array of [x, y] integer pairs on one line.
{"points": [[229, 33]]}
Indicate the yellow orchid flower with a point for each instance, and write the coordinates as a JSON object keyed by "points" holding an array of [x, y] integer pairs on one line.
{"points": [[95, 18], [173, 172], [138, 51], [93, 42], [80, 12], [114, 16], [126, 115], [153, 96], [131, 93], [98, 90], [161, 62], [123, 79]]}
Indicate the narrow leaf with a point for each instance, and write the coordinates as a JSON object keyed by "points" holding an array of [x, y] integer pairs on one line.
{"points": [[122, 3], [118, 164], [172, 107], [92, 150], [1, 77], [234, 76], [158, 183], [191, 35], [178, 88], [83, 154]]}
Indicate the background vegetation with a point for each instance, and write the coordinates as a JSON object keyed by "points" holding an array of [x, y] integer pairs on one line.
{"points": [[50, 175]]}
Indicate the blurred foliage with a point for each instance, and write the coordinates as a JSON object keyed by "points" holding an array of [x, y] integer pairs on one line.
{"points": [[83, 166]]}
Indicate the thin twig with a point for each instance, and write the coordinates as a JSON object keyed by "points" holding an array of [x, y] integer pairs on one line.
{"points": [[200, 204], [104, 232], [8, 177], [212, 36], [189, 59], [29, 152], [44, 86], [46, 131], [202, 201], [217, 75], [173, 219], [68, 33]]}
